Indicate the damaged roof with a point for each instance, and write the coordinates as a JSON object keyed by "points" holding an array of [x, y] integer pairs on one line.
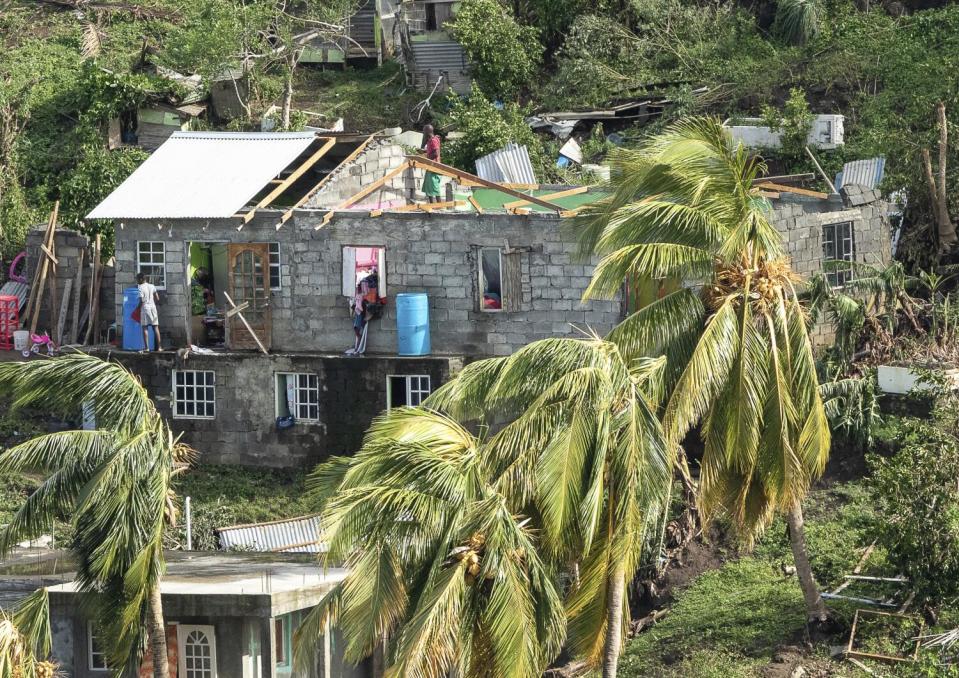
{"points": [[203, 175]]}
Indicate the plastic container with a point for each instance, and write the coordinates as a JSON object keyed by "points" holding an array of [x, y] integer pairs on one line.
{"points": [[413, 323], [21, 340], [132, 332]]}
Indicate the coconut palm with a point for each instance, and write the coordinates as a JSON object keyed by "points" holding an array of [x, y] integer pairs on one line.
{"points": [[25, 639], [438, 561], [578, 450], [683, 207], [112, 484]]}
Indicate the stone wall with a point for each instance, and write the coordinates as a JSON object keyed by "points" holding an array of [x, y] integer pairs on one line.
{"points": [[432, 253], [375, 162], [243, 431], [67, 247]]}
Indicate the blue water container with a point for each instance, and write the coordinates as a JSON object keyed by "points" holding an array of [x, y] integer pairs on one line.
{"points": [[132, 332], [413, 323]]}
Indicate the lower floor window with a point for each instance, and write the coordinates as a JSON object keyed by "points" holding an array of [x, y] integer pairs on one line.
{"points": [[298, 395], [95, 649], [409, 390], [194, 394]]}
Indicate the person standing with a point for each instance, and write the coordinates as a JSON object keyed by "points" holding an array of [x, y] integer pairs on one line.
{"points": [[148, 311], [431, 148]]}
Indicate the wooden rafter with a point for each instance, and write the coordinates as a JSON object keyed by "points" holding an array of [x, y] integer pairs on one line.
{"points": [[551, 196], [440, 168], [779, 188], [476, 206], [294, 175], [365, 192], [421, 207], [313, 191]]}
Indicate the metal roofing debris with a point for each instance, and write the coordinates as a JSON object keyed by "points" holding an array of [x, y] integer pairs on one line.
{"points": [[509, 165], [867, 173], [203, 175], [296, 535], [16, 289]]}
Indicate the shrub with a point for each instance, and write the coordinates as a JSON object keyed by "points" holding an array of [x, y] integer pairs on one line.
{"points": [[504, 55], [917, 496]]}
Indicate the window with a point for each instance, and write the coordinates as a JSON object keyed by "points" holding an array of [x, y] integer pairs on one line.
{"points": [[194, 394], [838, 245], [281, 636], [408, 390], [275, 283], [298, 394], [491, 278], [151, 261], [96, 654], [362, 263]]}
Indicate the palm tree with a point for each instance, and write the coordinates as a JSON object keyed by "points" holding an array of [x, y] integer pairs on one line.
{"points": [[683, 207], [438, 562], [578, 450], [113, 484], [25, 639]]}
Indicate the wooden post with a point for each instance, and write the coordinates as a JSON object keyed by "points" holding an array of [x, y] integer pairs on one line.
{"points": [[77, 289], [820, 170], [44, 267], [94, 300], [64, 307]]}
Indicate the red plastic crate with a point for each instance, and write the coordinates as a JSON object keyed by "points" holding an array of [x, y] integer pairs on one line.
{"points": [[9, 320]]}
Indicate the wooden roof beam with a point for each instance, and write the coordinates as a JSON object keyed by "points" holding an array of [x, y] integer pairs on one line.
{"points": [[294, 175], [780, 188], [551, 196]]}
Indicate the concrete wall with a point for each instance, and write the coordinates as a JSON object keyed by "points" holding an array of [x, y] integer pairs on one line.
{"points": [[375, 162], [352, 393], [67, 247], [435, 253]]}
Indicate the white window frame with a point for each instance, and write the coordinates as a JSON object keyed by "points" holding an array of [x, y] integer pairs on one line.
{"points": [[296, 395], [182, 632], [176, 403], [348, 263], [275, 267], [423, 395], [482, 280], [91, 635], [150, 264]]}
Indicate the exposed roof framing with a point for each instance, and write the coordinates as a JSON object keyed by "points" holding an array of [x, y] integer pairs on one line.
{"points": [[284, 184], [780, 188], [551, 196]]}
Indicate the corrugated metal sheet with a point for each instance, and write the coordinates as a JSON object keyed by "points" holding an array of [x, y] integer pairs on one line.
{"points": [[16, 289], [867, 173], [510, 165], [296, 535], [202, 175]]}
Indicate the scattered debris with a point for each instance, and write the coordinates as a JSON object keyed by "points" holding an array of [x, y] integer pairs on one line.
{"points": [[861, 616]]}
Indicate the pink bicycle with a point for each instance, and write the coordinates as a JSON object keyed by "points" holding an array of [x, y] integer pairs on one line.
{"points": [[37, 342]]}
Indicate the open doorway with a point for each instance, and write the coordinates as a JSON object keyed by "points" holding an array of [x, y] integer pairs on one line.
{"points": [[208, 285]]}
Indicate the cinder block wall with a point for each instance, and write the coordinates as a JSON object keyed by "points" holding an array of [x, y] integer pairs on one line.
{"points": [[372, 164], [352, 393], [432, 253]]}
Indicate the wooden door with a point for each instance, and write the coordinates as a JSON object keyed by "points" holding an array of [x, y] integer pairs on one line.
{"points": [[249, 282]]}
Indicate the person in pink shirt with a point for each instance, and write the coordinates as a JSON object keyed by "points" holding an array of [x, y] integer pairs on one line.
{"points": [[431, 148]]}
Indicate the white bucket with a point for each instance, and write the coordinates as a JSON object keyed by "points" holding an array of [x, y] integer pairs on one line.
{"points": [[21, 340]]}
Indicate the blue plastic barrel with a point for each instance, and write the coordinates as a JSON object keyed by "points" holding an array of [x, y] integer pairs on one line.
{"points": [[132, 332], [413, 323]]}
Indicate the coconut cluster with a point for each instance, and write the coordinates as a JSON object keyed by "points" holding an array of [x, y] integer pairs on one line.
{"points": [[766, 281], [471, 553]]}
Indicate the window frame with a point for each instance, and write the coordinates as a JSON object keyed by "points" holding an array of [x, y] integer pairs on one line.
{"points": [[175, 403], [423, 395], [277, 265], [282, 642], [90, 652], [296, 396], [152, 264], [482, 280], [380, 271], [838, 277]]}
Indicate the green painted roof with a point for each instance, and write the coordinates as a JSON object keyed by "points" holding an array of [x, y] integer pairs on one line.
{"points": [[493, 201]]}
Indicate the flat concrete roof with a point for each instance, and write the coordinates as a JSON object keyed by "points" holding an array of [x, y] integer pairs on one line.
{"points": [[200, 582]]}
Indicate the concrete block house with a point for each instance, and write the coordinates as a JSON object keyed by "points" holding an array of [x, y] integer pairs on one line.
{"points": [[284, 225]]}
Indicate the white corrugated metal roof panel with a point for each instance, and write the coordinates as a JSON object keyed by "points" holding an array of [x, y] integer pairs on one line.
{"points": [[296, 535], [509, 165], [866, 173], [202, 175]]}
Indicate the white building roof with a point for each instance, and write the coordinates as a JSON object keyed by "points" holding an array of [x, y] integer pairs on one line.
{"points": [[203, 175]]}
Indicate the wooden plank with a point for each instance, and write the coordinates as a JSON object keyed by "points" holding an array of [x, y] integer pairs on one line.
{"points": [[50, 254], [785, 178], [289, 181], [466, 183], [422, 207], [44, 267], [94, 297], [327, 218], [313, 191], [246, 324], [236, 309], [34, 288], [440, 168], [476, 205], [577, 190], [64, 307], [77, 289], [374, 186], [792, 189]]}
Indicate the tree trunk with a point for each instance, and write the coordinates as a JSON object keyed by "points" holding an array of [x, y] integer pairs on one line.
{"points": [[157, 631], [815, 607], [287, 98], [614, 623]]}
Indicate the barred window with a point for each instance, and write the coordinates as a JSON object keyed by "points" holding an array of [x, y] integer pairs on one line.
{"points": [[838, 245], [275, 283], [194, 394], [409, 389]]}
